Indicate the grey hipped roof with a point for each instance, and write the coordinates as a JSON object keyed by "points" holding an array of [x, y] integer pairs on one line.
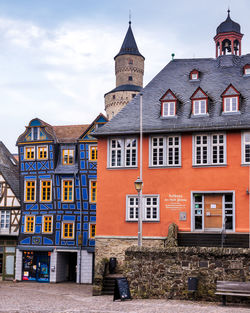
{"points": [[9, 169], [215, 76], [129, 45], [228, 26]]}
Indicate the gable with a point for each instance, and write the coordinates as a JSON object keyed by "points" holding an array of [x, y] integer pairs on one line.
{"points": [[41, 134], [230, 91], [168, 96], [88, 135], [199, 94]]}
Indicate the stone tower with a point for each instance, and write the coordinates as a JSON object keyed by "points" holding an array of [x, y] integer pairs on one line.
{"points": [[129, 70]]}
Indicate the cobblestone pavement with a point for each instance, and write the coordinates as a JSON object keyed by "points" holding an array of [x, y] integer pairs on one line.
{"points": [[31, 297]]}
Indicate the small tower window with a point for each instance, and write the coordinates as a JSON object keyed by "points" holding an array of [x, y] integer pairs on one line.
{"points": [[194, 75], [130, 61], [133, 95], [246, 69], [130, 78], [113, 96]]}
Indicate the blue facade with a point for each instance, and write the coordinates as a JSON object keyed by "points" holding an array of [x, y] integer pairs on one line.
{"points": [[70, 211]]}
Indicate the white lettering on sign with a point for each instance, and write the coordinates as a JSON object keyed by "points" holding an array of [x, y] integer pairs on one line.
{"points": [[213, 206], [175, 202]]}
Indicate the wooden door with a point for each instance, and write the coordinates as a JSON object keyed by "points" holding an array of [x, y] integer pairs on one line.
{"points": [[213, 211]]}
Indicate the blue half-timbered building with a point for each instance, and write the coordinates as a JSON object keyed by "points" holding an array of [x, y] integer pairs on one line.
{"points": [[58, 184]]}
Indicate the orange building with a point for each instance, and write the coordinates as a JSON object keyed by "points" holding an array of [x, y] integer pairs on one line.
{"points": [[196, 155]]}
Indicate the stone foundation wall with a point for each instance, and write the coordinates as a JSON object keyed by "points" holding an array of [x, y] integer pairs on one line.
{"points": [[163, 273], [106, 248]]}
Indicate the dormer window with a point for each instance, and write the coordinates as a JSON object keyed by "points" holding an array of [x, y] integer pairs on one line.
{"points": [[199, 102], [199, 107], [230, 98], [246, 69], [68, 157], [230, 104], [168, 104], [194, 75], [168, 109]]}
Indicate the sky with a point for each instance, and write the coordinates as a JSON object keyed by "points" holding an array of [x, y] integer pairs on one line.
{"points": [[57, 56]]}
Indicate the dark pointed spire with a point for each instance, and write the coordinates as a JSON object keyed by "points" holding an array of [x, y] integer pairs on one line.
{"points": [[129, 45], [228, 25]]}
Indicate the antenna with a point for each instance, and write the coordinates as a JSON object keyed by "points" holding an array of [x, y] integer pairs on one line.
{"points": [[129, 17]]}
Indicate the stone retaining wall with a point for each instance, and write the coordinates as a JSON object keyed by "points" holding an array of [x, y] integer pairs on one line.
{"points": [[163, 273]]}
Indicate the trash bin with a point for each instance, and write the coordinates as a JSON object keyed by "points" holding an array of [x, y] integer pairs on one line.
{"points": [[192, 283], [112, 265]]}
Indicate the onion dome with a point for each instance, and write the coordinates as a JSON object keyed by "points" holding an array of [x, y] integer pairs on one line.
{"points": [[228, 26]]}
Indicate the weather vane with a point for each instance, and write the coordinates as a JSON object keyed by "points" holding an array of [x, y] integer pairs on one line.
{"points": [[129, 16]]}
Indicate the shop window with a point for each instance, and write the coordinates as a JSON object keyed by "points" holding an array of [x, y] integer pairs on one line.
{"points": [[68, 157], [42, 153], [93, 153], [46, 190], [29, 224], [30, 191], [29, 153], [68, 230], [67, 190], [47, 224]]}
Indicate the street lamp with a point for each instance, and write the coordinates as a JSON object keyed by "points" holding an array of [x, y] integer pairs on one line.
{"points": [[138, 186]]}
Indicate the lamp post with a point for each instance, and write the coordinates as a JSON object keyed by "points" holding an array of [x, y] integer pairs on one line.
{"points": [[138, 186]]}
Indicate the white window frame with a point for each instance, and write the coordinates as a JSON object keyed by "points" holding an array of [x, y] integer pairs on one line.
{"points": [[210, 148], [230, 99], [168, 108], [47, 215], [243, 147], [37, 152], [4, 213], [199, 102], [144, 208], [165, 149], [45, 201], [123, 149]]}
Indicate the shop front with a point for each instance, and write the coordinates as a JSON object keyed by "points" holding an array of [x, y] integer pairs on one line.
{"points": [[36, 266]]}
